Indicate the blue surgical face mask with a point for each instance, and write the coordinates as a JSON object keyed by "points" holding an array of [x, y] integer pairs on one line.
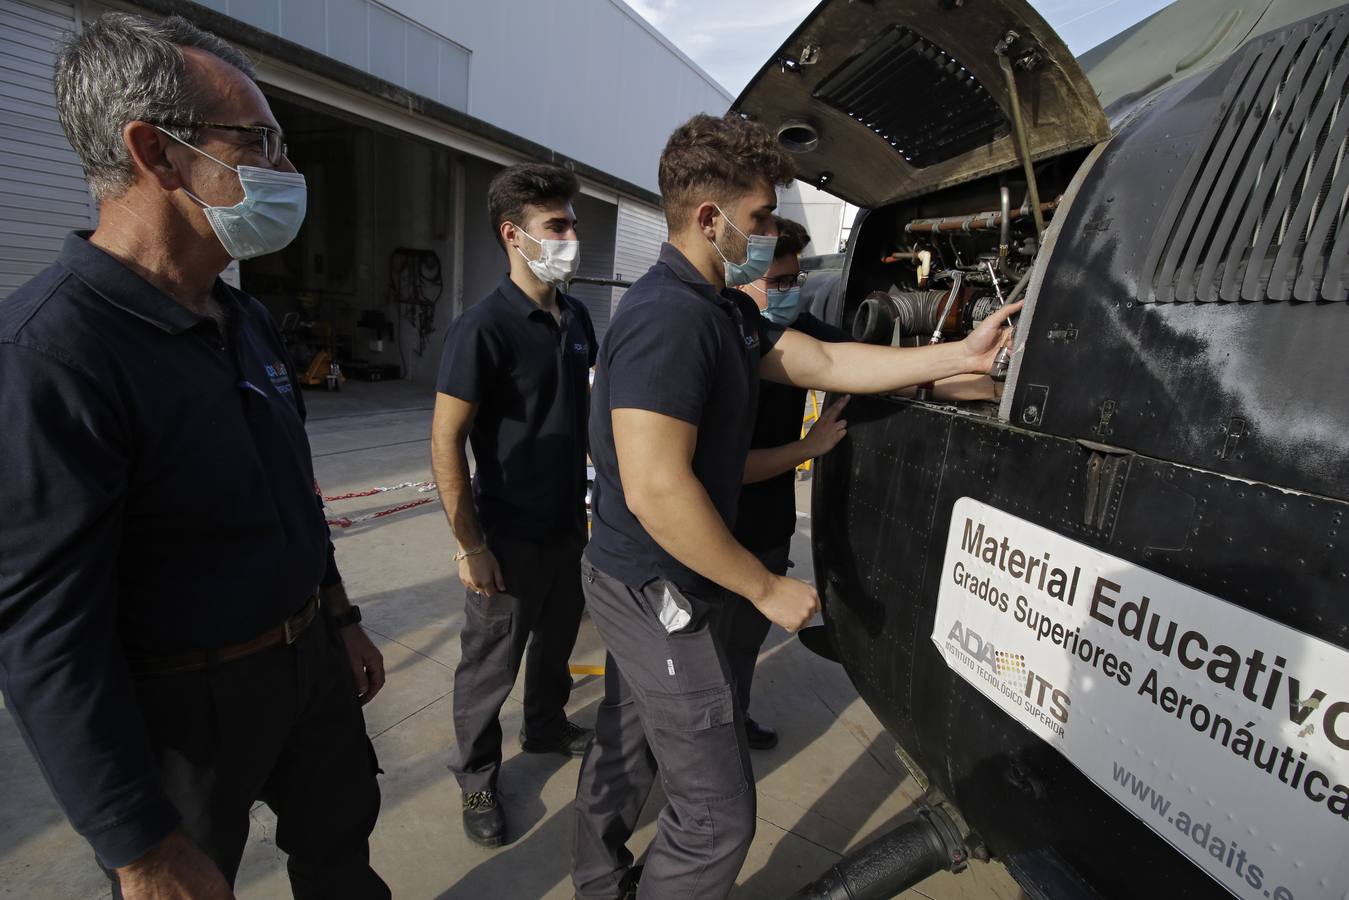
{"points": [[758, 256], [269, 216], [783, 306]]}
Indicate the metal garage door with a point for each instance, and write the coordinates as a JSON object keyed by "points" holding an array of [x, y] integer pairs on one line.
{"points": [[43, 193], [637, 238]]}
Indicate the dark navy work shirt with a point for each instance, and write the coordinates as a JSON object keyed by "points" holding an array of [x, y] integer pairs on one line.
{"points": [[682, 348], [530, 376], [158, 496], [766, 518]]}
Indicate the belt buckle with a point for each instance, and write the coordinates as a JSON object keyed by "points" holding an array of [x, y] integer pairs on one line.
{"points": [[292, 627]]}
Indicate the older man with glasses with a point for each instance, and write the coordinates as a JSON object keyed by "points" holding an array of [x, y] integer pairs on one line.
{"points": [[175, 640]]}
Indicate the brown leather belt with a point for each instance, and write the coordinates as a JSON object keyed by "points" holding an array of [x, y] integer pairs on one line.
{"points": [[285, 633]]}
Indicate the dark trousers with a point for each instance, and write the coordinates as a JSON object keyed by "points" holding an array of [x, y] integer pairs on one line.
{"points": [[747, 628], [669, 709], [282, 726], [535, 620]]}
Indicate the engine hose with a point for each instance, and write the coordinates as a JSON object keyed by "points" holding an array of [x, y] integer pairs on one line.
{"points": [[875, 319], [885, 318], [890, 865]]}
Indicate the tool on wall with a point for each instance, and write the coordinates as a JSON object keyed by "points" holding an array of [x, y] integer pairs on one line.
{"points": [[415, 284]]}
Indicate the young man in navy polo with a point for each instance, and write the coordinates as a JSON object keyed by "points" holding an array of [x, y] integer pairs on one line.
{"points": [[514, 378], [766, 514], [674, 399]]}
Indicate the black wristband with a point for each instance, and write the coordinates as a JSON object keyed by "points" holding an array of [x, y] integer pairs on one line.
{"points": [[351, 617]]}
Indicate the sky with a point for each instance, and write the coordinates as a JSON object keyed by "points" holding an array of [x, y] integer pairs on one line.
{"points": [[730, 39]]}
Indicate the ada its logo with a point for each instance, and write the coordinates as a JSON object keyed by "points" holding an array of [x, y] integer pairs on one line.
{"points": [[1035, 691], [1009, 665], [978, 648], [280, 376]]}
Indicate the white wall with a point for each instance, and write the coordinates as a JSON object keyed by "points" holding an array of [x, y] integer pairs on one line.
{"points": [[367, 35], [822, 214], [587, 78]]}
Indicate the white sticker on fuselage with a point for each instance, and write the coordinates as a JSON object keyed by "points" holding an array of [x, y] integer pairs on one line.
{"points": [[1226, 732]]}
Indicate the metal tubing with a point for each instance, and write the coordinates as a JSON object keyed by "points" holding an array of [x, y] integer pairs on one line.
{"points": [[982, 221], [957, 281], [1005, 235], [1002, 363], [1019, 129]]}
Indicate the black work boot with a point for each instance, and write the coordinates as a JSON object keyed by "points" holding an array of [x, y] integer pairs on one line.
{"points": [[759, 737], [571, 741], [628, 886], [483, 822]]}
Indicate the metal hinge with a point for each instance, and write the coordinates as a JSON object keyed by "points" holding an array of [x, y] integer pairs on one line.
{"points": [[1235, 430], [1106, 469], [1102, 426]]}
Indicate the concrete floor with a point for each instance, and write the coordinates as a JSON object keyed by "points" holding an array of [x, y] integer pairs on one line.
{"points": [[832, 782]]}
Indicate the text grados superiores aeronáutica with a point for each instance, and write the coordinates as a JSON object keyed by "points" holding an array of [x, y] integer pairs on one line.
{"points": [[1251, 675]]}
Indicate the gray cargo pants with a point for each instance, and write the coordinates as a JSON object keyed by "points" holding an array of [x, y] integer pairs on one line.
{"points": [[540, 610], [668, 708]]}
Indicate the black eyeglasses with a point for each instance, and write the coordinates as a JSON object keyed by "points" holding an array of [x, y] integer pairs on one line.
{"points": [[273, 142], [786, 282]]}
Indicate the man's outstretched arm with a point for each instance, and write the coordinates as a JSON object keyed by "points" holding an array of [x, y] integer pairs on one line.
{"points": [[853, 368]]}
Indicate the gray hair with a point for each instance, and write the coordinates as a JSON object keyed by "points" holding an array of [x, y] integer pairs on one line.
{"points": [[122, 68]]}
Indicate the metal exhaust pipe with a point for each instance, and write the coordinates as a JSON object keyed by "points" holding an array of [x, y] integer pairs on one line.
{"points": [[886, 867]]}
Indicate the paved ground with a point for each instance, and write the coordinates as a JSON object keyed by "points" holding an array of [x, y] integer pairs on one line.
{"points": [[832, 783]]}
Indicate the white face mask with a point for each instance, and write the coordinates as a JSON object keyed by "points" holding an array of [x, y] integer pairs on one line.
{"points": [[269, 216], [557, 262]]}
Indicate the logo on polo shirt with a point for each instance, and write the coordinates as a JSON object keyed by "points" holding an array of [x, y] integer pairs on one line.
{"points": [[751, 340], [578, 348], [280, 377]]}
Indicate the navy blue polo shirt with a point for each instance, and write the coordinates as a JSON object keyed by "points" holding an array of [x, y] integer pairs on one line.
{"points": [[766, 518], [158, 496], [682, 348], [529, 373]]}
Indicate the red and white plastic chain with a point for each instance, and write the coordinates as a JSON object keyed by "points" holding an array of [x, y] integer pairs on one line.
{"points": [[421, 486], [348, 521]]}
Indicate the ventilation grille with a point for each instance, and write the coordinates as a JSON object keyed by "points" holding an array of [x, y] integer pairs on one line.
{"points": [[1259, 213], [918, 99]]}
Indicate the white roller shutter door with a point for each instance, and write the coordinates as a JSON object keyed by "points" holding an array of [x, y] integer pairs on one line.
{"points": [[638, 234], [43, 194]]}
